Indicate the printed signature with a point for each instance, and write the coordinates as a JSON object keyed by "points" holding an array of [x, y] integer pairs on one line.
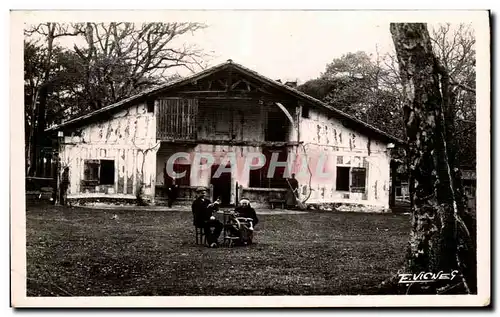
{"points": [[426, 277]]}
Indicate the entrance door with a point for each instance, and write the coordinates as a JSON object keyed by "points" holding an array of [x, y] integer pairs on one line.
{"points": [[221, 186]]}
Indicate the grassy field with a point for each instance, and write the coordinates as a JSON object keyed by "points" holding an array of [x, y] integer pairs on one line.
{"points": [[84, 252]]}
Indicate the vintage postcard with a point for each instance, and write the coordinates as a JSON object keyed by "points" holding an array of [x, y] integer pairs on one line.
{"points": [[250, 158]]}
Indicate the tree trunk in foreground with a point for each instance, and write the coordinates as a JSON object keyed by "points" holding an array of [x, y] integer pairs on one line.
{"points": [[439, 236]]}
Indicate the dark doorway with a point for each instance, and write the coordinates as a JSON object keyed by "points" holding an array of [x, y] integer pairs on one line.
{"points": [[221, 185], [277, 179]]}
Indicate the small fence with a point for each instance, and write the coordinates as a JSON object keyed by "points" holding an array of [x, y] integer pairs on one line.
{"points": [[39, 188]]}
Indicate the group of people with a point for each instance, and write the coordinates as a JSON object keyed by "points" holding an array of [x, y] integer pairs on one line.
{"points": [[244, 219]]}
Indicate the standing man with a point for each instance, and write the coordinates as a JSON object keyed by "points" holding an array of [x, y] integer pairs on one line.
{"points": [[203, 217], [64, 185], [292, 192], [172, 192]]}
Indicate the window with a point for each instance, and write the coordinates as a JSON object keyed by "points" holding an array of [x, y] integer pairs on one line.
{"points": [[150, 105], [343, 178], [99, 172], [305, 112], [351, 179], [91, 171], [358, 179]]}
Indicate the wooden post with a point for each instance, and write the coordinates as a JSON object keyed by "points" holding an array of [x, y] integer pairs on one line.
{"points": [[392, 195], [211, 192], [58, 180], [236, 200]]}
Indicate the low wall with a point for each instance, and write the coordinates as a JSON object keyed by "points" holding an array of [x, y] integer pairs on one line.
{"points": [[260, 198], [346, 207], [264, 197]]}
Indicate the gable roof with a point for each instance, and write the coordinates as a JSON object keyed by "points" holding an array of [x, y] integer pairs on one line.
{"points": [[347, 119]]}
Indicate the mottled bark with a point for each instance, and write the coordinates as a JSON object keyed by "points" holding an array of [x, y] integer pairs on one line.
{"points": [[436, 195]]}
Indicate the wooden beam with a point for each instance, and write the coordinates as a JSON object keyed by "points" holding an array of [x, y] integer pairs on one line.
{"points": [[230, 79], [249, 85], [235, 84], [203, 92], [231, 143], [286, 112], [226, 94], [227, 98], [223, 83], [263, 90]]}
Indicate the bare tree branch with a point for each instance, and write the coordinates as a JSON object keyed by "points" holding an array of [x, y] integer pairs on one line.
{"points": [[469, 89]]}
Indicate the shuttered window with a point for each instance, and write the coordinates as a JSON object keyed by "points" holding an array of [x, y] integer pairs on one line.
{"points": [[358, 179], [351, 179], [99, 172]]}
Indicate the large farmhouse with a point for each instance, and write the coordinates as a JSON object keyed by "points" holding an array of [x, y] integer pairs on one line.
{"points": [[217, 118]]}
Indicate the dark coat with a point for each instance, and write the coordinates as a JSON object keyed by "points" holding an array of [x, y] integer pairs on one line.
{"points": [[201, 211], [294, 184], [65, 179], [247, 212], [173, 191]]}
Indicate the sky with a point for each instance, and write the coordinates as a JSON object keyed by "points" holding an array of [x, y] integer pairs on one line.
{"points": [[286, 45]]}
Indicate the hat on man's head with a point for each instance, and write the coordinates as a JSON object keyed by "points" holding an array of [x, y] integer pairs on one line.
{"points": [[201, 189], [244, 200]]}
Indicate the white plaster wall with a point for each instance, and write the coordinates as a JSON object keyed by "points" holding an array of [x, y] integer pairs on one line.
{"points": [[128, 138], [327, 136]]}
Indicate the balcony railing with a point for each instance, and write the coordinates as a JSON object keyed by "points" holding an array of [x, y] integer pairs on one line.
{"points": [[176, 119]]}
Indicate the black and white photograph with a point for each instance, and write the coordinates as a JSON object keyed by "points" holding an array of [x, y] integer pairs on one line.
{"points": [[234, 158]]}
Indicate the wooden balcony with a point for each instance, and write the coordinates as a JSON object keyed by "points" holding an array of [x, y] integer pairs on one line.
{"points": [[176, 119]]}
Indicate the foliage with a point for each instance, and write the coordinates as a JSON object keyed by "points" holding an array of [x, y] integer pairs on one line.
{"points": [[121, 59], [369, 88], [454, 46], [361, 87], [107, 62]]}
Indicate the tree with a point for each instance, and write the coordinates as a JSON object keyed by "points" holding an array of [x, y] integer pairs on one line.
{"points": [[441, 238], [454, 46], [41, 83], [116, 61], [122, 59], [359, 85]]}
